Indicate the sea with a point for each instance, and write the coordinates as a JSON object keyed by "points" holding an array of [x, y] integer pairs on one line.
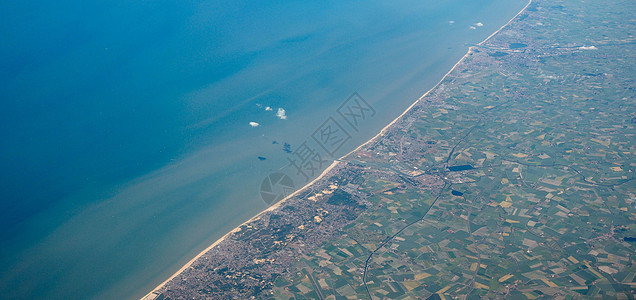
{"points": [[133, 134]]}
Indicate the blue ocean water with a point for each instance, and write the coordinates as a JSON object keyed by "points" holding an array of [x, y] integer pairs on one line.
{"points": [[125, 137]]}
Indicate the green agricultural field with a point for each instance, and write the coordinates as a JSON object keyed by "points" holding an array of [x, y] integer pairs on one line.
{"points": [[545, 113]]}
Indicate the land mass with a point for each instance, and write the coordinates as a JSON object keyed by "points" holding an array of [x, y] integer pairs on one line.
{"points": [[512, 177]]}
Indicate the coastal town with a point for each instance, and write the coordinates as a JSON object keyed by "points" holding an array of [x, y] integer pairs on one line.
{"points": [[514, 177]]}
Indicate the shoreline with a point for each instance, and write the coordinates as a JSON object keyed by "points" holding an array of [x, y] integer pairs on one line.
{"points": [[469, 52], [237, 228], [152, 293]]}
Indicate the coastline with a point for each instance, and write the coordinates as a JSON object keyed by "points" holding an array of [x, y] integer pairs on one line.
{"points": [[152, 294], [469, 52], [237, 228]]}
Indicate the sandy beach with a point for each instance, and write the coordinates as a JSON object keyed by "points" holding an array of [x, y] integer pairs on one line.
{"points": [[152, 294]]}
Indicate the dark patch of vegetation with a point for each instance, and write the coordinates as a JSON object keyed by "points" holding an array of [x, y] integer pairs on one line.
{"points": [[342, 198]]}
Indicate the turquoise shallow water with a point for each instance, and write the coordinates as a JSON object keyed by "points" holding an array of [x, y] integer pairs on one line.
{"points": [[126, 143]]}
